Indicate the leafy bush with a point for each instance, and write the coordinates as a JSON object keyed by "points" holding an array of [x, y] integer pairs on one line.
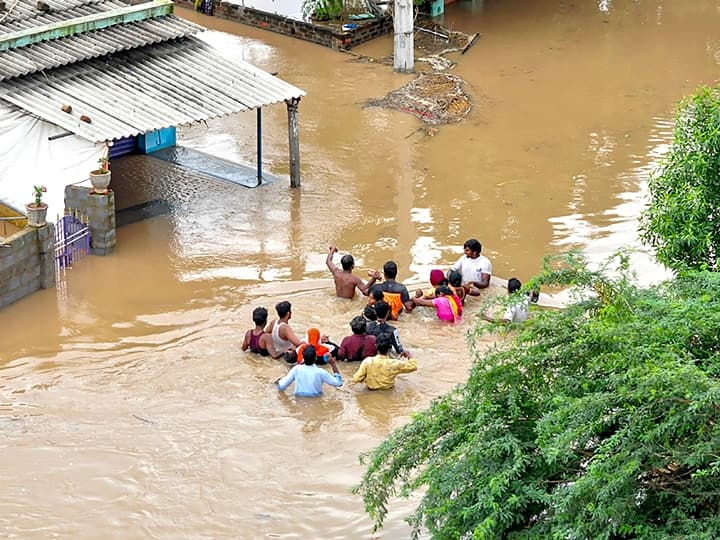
{"points": [[601, 421], [682, 221]]}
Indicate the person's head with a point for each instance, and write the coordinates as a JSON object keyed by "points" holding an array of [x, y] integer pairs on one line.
{"points": [[383, 343], [455, 278], [260, 316], [369, 313], [313, 336], [443, 290], [309, 355], [283, 309], [513, 285], [390, 270], [436, 277], [472, 248], [358, 325], [376, 294], [382, 310], [347, 262]]}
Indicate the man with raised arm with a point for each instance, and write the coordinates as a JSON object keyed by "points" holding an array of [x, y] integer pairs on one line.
{"points": [[345, 281]]}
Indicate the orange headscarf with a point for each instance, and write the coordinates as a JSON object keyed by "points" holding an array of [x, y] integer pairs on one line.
{"points": [[313, 338]]}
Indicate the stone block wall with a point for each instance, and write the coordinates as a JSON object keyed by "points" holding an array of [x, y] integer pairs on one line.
{"points": [[99, 213], [27, 264], [328, 34]]}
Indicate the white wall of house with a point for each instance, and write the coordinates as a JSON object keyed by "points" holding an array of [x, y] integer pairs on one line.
{"points": [[288, 8]]}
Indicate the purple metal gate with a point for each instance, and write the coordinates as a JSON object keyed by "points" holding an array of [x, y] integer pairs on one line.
{"points": [[72, 241]]}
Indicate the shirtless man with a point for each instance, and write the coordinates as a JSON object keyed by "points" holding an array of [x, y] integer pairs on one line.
{"points": [[345, 281]]}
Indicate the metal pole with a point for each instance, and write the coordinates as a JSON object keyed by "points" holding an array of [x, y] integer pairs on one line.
{"points": [[259, 146]]}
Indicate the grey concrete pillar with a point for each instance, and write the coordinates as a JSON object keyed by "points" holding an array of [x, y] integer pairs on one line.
{"points": [[99, 211], [294, 141], [46, 243]]}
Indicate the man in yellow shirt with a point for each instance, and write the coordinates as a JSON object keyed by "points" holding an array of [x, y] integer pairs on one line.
{"points": [[379, 371]]}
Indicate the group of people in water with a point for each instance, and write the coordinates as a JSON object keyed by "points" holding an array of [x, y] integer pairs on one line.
{"points": [[374, 341]]}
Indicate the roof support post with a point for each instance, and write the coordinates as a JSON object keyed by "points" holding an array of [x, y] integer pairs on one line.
{"points": [[259, 145], [294, 140]]}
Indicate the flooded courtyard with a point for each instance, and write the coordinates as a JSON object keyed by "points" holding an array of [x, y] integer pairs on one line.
{"points": [[126, 406]]}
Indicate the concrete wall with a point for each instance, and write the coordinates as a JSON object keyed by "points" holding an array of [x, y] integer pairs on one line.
{"points": [[28, 264], [330, 34]]}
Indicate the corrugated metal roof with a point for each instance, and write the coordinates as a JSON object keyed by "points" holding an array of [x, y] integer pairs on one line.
{"points": [[25, 13], [60, 52], [145, 89]]}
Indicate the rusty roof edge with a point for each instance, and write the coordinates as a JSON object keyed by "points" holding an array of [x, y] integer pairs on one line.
{"points": [[79, 25]]}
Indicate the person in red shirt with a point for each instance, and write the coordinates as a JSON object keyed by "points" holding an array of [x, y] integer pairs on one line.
{"points": [[359, 345]]}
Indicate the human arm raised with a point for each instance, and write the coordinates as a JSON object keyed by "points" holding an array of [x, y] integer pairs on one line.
{"points": [[332, 250], [363, 287]]}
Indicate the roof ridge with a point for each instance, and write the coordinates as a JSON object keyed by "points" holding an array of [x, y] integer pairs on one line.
{"points": [[79, 25]]}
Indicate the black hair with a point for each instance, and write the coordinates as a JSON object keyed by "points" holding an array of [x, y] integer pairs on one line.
{"points": [[309, 355], [454, 278], [383, 343], [260, 316], [358, 325], [473, 245], [444, 290], [369, 313], [390, 269], [283, 308], [347, 262], [382, 309], [513, 285]]}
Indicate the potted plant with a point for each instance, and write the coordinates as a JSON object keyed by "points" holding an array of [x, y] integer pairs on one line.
{"points": [[100, 177], [37, 211]]}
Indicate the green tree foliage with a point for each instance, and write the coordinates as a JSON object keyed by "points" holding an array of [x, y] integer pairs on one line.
{"points": [[682, 221], [598, 422]]}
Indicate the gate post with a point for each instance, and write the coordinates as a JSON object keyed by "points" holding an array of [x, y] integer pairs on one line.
{"points": [[100, 212], [46, 238]]}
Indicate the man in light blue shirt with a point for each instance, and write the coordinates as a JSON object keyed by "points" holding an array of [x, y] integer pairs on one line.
{"points": [[308, 377]]}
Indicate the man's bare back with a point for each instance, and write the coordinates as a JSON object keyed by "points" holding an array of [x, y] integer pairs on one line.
{"points": [[345, 281]]}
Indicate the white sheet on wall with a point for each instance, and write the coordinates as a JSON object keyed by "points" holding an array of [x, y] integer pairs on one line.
{"points": [[28, 158]]}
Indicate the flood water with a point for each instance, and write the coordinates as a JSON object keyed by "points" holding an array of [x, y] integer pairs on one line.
{"points": [[126, 406]]}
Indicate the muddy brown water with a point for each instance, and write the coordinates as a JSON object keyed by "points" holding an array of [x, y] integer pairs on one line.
{"points": [[127, 409]]}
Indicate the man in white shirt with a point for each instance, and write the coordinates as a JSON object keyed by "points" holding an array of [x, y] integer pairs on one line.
{"points": [[517, 310], [476, 269]]}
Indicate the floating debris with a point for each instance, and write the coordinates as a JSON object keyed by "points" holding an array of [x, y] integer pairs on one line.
{"points": [[435, 98]]}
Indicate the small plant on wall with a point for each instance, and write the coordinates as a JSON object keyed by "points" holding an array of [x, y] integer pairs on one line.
{"points": [[323, 10], [38, 194], [104, 165], [100, 177]]}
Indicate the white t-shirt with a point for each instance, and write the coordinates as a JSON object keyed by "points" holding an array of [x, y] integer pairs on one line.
{"points": [[518, 312], [472, 269]]}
